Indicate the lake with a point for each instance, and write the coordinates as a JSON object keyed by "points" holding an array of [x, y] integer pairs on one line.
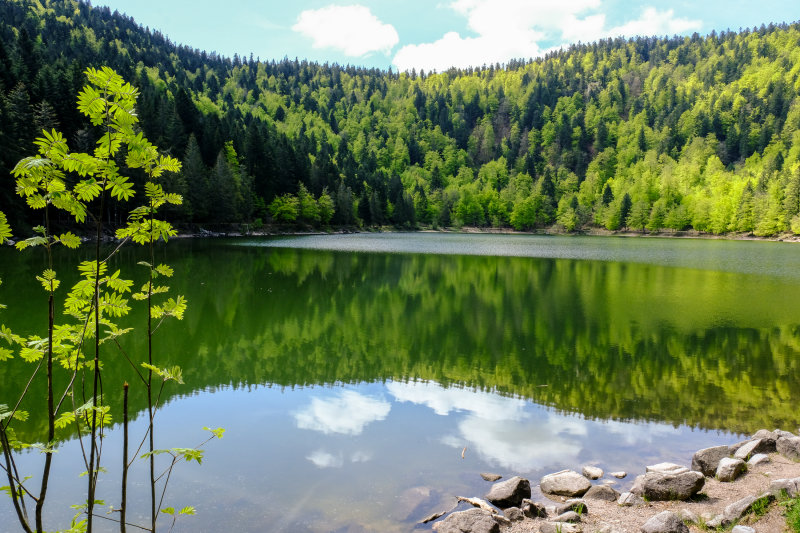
{"points": [[365, 380]]}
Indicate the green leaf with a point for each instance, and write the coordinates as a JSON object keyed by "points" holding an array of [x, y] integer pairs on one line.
{"points": [[70, 240], [168, 510], [218, 432], [188, 511], [6, 354], [48, 280], [5, 229]]}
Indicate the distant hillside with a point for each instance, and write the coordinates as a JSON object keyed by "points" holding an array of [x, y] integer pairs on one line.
{"points": [[680, 133]]}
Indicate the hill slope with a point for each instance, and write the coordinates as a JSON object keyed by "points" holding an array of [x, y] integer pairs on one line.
{"points": [[649, 133]]}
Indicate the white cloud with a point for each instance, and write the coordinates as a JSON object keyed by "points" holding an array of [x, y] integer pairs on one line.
{"points": [[508, 29], [654, 22], [499, 429], [554, 440], [353, 30], [324, 459], [347, 414]]}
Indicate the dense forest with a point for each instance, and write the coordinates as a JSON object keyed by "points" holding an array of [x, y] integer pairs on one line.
{"points": [[647, 134]]}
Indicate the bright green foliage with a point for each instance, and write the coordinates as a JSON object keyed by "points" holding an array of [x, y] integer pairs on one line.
{"points": [[707, 125], [5, 229], [285, 208], [72, 182]]}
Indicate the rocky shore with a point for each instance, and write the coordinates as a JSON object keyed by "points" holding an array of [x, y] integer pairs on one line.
{"points": [[727, 488]]}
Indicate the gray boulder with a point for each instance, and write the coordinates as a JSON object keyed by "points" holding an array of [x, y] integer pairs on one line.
{"points": [[602, 492], [509, 493], [667, 468], [628, 499], [765, 445], [469, 521], [729, 469], [564, 483], [514, 514], [707, 459], [743, 529], [791, 486], [659, 487], [533, 509], [688, 516], [559, 527], [789, 447], [781, 433], [665, 522], [757, 459], [738, 509], [592, 472]]}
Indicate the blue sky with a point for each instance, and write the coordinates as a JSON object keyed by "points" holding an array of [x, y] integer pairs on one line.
{"points": [[432, 34]]}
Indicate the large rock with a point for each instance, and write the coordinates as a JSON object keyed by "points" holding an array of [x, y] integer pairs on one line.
{"points": [[707, 459], [667, 468], [469, 521], [738, 509], [659, 487], [509, 493], [766, 445], [565, 483], [730, 468], [629, 499], [602, 492], [789, 447], [758, 458], [791, 486], [592, 472], [665, 522]]}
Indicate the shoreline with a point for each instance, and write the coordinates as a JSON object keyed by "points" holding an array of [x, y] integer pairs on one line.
{"points": [[271, 231], [752, 498]]}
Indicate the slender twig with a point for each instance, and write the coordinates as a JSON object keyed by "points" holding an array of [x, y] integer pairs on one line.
{"points": [[124, 504]]}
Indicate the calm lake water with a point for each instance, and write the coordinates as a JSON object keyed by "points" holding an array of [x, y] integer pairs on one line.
{"points": [[351, 371]]}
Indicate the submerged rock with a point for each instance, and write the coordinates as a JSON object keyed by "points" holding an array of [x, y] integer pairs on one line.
{"points": [[565, 483], [509, 493], [707, 459], [619, 475]]}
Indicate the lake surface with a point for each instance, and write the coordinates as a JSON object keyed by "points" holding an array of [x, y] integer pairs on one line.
{"points": [[351, 371]]}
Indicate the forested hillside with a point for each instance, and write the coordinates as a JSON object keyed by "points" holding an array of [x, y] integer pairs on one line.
{"points": [[680, 133]]}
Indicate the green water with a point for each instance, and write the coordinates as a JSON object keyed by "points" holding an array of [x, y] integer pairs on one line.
{"points": [[369, 361]]}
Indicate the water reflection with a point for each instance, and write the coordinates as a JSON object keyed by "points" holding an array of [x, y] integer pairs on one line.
{"points": [[380, 368], [346, 413]]}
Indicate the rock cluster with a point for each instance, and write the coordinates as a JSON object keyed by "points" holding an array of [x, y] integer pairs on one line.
{"points": [[663, 481]]}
